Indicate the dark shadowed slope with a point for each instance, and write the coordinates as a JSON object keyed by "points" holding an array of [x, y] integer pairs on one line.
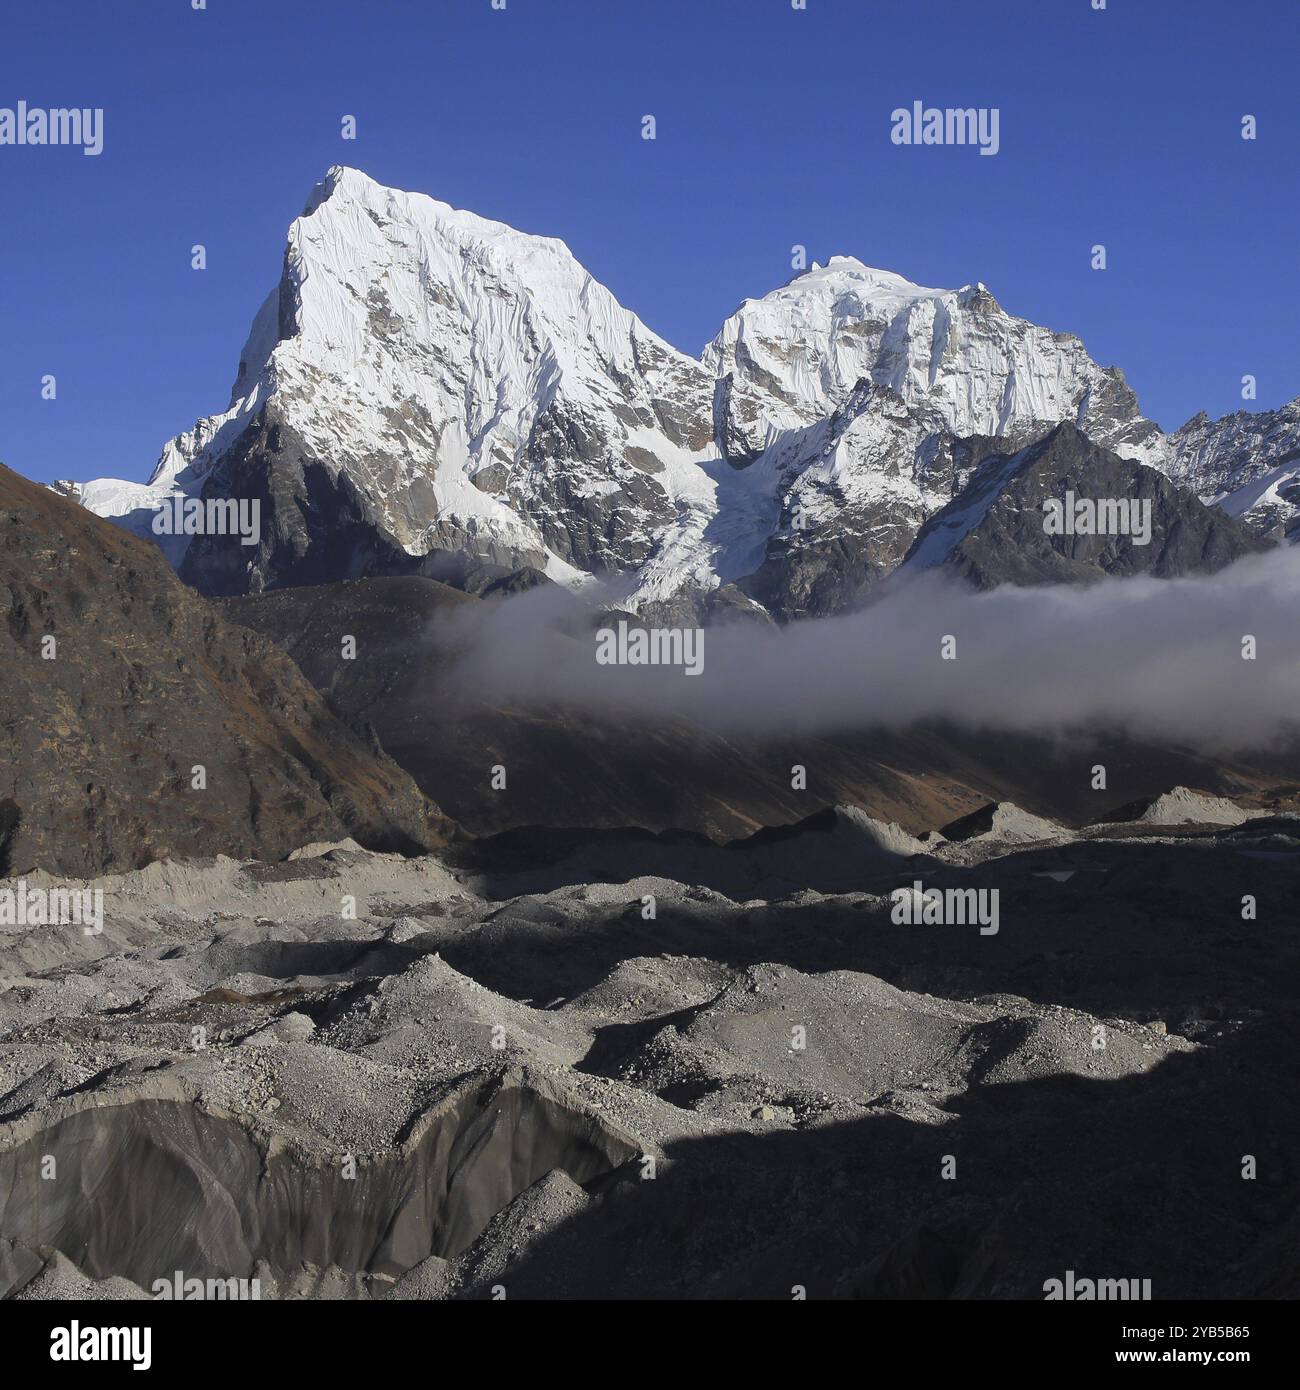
{"points": [[568, 768], [993, 531], [118, 682]]}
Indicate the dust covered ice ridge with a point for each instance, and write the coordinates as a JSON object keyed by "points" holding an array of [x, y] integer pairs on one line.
{"points": [[671, 1042]]}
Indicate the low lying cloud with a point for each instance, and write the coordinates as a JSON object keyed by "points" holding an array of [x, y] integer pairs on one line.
{"points": [[1159, 659]]}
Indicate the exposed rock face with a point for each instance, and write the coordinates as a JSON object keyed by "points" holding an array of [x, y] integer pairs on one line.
{"points": [[856, 490], [315, 523], [1248, 464], [119, 681], [427, 391], [994, 531], [316, 526]]}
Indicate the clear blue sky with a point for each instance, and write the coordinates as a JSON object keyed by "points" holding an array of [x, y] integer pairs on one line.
{"points": [[1121, 127]]}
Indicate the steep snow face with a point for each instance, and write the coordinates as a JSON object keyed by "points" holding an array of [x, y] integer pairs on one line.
{"points": [[478, 384], [481, 390], [954, 356], [1249, 464]]}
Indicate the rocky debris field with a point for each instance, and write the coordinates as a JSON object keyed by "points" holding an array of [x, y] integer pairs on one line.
{"points": [[352, 1074]]}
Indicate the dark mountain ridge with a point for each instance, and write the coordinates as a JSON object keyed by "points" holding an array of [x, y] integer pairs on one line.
{"points": [[119, 681]]}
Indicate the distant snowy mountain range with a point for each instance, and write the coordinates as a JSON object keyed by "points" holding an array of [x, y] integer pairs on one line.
{"points": [[426, 391]]}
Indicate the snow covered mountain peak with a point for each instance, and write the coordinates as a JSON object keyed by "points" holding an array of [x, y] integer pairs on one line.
{"points": [[426, 382], [811, 294], [416, 303], [954, 355], [345, 188], [474, 383]]}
